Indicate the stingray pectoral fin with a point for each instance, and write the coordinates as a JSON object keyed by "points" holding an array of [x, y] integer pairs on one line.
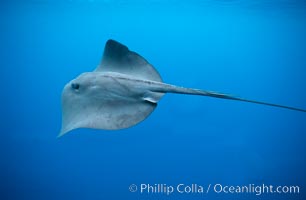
{"points": [[118, 58], [108, 114], [181, 90], [63, 132]]}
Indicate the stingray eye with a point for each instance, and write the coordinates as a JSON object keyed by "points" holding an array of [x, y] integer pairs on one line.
{"points": [[75, 86]]}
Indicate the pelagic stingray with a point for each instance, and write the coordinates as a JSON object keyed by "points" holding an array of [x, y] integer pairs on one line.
{"points": [[121, 92]]}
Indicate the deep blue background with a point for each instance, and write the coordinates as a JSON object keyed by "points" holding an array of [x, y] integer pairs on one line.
{"points": [[253, 49]]}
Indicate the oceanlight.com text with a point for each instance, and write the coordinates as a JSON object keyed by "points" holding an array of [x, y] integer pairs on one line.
{"points": [[167, 189]]}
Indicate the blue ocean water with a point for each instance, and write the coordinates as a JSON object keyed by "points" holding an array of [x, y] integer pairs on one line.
{"points": [[252, 49]]}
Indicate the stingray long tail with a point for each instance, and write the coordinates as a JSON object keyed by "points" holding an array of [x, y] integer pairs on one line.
{"points": [[190, 91]]}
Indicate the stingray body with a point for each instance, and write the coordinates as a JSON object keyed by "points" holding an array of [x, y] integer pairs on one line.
{"points": [[122, 91]]}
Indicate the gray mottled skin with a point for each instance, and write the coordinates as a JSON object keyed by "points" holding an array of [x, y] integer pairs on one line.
{"points": [[107, 100], [120, 93]]}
